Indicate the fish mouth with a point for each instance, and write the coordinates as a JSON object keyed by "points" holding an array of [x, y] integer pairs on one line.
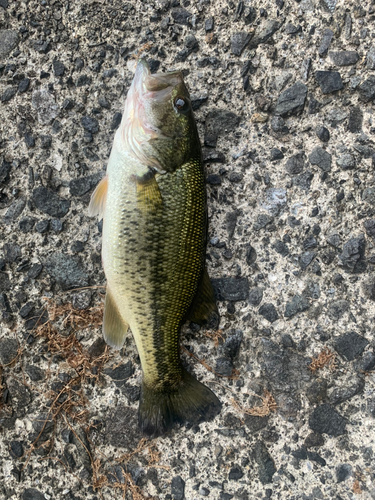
{"points": [[137, 127], [156, 85]]}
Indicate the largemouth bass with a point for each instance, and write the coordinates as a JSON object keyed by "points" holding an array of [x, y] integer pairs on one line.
{"points": [[153, 204]]}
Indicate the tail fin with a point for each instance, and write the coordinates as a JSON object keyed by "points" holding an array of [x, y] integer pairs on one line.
{"points": [[191, 402]]}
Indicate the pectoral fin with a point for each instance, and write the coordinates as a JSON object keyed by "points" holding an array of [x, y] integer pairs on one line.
{"points": [[203, 308], [98, 198], [148, 192], [114, 326]]}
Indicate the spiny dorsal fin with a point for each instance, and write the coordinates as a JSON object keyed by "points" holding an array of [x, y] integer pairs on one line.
{"points": [[114, 326], [98, 198]]}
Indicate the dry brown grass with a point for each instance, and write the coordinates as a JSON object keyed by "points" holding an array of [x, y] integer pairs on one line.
{"points": [[216, 336], [233, 376], [325, 358], [267, 406], [357, 487], [70, 404]]}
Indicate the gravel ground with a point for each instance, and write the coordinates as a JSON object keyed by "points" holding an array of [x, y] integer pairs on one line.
{"points": [[284, 94]]}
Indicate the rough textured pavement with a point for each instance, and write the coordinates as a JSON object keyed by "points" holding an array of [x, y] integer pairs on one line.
{"points": [[283, 93]]}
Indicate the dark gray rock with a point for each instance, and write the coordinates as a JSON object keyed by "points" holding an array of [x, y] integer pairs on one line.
{"points": [[303, 181], [232, 344], [281, 248], [262, 221], [90, 124], [43, 425], [45, 141], [120, 373], [326, 420], [35, 373], [370, 58], [5, 285], [292, 100], [298, 304], [68, 271], [350, 345], [316, 392], [343, 471], [239, 42], [8, 42], [310, 242], [50, 203], [305, 259], [44, 103], [8, 94], [255, 296], [121, 427], [26, 224], [254, 423], [58, 68], [20, 396], [314, 440], [235, 473], [232, 289], [266, 464], [276, 154], [16, 449], [82, 185], [320, 157], [337, 309], [224, 367], [343, 57], [42, 226], [334, 239], [116, 120], [323, 133], [370, 228], [180, 15], [219, 122], [329, 81], [178, 488], [325, 42], [264, 32], [278, 125], [368, 287], [32, 494], [346, 161], [14, 211], [296, 163], [5, 169], [352, 256], [251, 255], [367, 89], [268, 311], [355, 120], [213, 180], [12, 252], [24, 85], [210, 155], [366, 362], [368, 195], [8, 350], [341, 394], [230, 223]]}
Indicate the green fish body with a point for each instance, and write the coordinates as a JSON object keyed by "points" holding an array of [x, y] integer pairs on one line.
{"points": [[153, 203]]}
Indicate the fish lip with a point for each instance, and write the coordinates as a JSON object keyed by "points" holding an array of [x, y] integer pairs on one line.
{"points": [[154, 85]]}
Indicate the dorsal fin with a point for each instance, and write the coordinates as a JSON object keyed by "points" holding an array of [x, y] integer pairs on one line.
{"points": [[98, 198]]}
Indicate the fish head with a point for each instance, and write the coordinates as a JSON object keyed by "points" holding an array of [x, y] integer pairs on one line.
{"points": [[158, 126]]}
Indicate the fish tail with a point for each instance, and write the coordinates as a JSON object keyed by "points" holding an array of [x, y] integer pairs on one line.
{"points": [[191, 402]]}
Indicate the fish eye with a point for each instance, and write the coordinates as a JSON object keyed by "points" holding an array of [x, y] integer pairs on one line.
{"points": [[181, 104]]}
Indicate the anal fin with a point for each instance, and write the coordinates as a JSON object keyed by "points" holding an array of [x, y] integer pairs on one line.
{"points": [[203, 309], [114, 326]]}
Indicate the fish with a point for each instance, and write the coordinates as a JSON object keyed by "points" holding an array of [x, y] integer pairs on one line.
{"points": [[153, 204]]}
